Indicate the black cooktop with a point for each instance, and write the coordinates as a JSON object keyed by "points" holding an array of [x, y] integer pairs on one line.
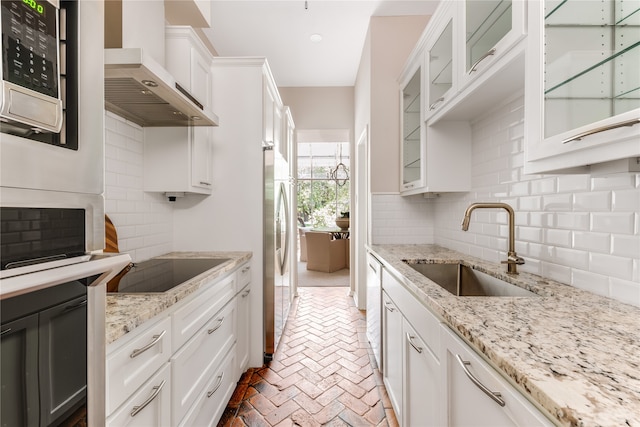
{"points": [[160, 275]]}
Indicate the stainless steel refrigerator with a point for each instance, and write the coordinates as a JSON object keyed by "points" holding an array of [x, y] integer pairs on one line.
{"points": [[277, 248]]}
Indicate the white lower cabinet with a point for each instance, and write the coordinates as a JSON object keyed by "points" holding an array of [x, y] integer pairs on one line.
{"points": [[192, 365], [134, 358], [422, 386], [151, 382], [392, 353], [434, 378], [148, 406], [243, 324], [477, 395], [215, 395]]}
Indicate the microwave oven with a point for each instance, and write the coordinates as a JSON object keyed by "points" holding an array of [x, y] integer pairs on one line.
{"points": [[30, 93]]}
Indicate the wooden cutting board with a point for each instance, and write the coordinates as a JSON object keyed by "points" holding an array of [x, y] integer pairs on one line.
{"points": [[110, 236], [111, 245]]}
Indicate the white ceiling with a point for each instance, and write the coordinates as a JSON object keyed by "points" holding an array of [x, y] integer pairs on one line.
{"points": [[280, 31]]}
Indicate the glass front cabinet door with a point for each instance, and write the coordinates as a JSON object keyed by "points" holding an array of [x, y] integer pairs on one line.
{"points": [[439, 62], [412, 146], [583, 84], [491, 29]]}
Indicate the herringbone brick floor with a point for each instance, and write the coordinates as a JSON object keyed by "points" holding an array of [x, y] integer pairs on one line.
{"points": [[323, 372]]}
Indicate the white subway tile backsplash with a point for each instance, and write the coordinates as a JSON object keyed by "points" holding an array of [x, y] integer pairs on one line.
{"points": [[592, 202], [557, 202], [621, 223], [592, 242], [592, 282], [555, 237], [609, 265], [625, 291], [625, 245], [626, 200], [582, 230], [619, 180], [144, 221], [573, 183]]}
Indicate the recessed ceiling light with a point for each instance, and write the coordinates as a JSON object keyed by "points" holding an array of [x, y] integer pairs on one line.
{"points": [[316, 38]]}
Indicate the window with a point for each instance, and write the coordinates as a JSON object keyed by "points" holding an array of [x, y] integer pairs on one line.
{"points": [[323, 183]]}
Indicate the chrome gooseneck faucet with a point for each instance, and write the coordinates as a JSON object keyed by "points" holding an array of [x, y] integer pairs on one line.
{"points": [[513, 260]]}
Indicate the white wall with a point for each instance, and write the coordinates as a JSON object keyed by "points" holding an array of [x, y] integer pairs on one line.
{"points": [[392, 40], [144, 221], [320, 107], [581, 230]]}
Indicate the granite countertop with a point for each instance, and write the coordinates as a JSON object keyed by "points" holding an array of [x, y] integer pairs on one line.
{"points": [[125, 312], [573, 352]]}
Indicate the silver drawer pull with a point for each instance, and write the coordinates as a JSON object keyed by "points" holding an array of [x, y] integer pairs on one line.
{"points": [[579, 136], [438, 101], [220, 322], [156, 392], [482, 58], [410, 339], [246, 293], [138, 351], [205, 183], [244, 270], [389, 306], [76, 305], [6, 331], [495, 395], [220, 377]]}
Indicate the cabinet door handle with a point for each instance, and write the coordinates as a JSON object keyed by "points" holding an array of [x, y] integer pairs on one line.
{"points": [[373, 267], [75, 306], [220, 322], [220, 377], [438, 101], [495, 395], [389, 306], [482, 58], [581, 135], [410, 339], [246, 293], [205, 183], [156, 392], [6, 331], [244, 270], [138, 351]]}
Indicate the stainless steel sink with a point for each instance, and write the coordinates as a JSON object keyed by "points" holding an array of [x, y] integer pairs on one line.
{"points": [[461, 280]]}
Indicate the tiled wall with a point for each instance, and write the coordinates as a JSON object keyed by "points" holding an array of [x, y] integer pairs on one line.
{"points": [[144, 221], [399, 219], [578, 229]]}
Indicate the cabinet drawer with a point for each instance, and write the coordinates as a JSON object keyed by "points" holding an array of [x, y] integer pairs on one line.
{"points": [[148, 406], [214, 397], [192, 364], [468, 404], [195, 313], [130, 364], [244, 276], [423, 321]]}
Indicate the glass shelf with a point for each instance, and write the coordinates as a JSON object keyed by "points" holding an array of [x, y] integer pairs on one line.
{"points": [[591, 56], [413, 106], [487, 22], [441, 64]]}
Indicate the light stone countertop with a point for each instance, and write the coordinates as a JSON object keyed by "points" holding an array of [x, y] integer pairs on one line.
{"points": [[125, 312], [574, 353]]}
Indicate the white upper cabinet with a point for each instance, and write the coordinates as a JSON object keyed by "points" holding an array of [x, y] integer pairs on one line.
{"points": [[411, 145], [489, 28], [189, 62], [583, 85], [439, 63]]}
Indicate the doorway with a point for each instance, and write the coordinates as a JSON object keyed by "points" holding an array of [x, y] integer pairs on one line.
{"points": [[323, 213]]}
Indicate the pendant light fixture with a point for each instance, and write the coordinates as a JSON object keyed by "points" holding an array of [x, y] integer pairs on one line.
{"points": [[340, 174]]}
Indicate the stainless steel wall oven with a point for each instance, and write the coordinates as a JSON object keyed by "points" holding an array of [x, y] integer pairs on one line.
{"points": [[53, 274]]}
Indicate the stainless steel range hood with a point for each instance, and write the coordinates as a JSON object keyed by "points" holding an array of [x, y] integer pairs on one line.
{"points": [[142, 91]]}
